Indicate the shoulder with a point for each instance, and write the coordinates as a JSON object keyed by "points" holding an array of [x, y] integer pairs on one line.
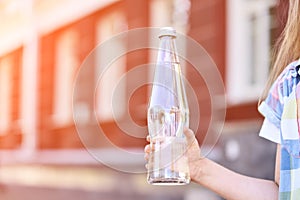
{"points": [[285, 84], [278, 101], [287, 80], [291, 71]]}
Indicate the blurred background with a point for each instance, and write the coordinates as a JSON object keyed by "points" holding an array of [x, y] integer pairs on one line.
{"points": [[42, 45]]}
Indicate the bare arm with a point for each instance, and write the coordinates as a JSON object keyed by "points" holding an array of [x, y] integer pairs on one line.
{"points": [[226, 183]]}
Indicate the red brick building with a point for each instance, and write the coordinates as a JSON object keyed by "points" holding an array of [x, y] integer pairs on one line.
{"points": [[39, 65]]}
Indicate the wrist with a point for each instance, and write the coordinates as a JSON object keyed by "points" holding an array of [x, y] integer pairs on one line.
{"points": [[197, 169]]}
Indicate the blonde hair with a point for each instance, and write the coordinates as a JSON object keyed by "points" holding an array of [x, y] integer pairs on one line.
{"points": [[287, 48]]}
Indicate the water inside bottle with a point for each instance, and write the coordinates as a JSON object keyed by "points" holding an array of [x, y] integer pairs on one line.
{"points": [[168, 164]]}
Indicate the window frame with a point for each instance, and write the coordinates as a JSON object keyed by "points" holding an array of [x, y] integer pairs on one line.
{"points": [[248, 49]]}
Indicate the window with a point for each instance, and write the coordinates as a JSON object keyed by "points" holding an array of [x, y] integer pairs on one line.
{"points": [[66, 63], [5, 93], [248, 48], [107, 82]]}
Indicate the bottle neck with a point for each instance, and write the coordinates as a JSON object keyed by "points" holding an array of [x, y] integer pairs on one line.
{"points": [[167, 52]]}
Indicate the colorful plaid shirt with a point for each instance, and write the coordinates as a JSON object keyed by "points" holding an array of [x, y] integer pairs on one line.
{"points": [[281, 110]]}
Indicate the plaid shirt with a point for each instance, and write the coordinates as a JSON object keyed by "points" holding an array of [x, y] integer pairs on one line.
{"points": [[281, 109]]}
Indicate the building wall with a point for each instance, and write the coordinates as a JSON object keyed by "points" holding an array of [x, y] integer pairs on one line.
{"points": [[11, 133], [52, 135], [55, 129]]}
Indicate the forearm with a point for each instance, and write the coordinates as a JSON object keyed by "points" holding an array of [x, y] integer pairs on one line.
{"points": [[231, 185]]}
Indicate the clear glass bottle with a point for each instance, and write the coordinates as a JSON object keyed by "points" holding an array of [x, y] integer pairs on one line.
{"points": [[168, 114]]}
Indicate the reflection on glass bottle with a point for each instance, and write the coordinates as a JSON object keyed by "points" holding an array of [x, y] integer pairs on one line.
{"points": [[168, 114]]}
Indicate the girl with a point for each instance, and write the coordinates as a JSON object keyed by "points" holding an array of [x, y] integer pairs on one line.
{"points": [[281, 125]]}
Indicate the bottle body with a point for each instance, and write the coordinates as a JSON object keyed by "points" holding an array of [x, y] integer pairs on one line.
{"points": [[167, 116]]}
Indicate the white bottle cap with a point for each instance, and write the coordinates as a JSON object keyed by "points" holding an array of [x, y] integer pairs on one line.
{"points": [[167, 31]]}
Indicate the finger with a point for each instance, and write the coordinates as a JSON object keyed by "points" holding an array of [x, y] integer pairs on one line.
{"points": [[148, 138], [146, 156], [190, 136], [147, 148], [157, 139]]}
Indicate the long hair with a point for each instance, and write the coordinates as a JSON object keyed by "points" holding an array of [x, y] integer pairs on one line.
{"points": [[287, 48]]}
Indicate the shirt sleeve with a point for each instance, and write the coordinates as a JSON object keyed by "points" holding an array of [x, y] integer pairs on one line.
{"points": [[270, 132], [271, 108], [279, 103]]}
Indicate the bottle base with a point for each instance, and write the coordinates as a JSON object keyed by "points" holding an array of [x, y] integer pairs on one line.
{"points": [[168, 181]]}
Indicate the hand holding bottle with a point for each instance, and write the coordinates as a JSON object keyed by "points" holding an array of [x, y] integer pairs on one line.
{"points": [[192, 153]]}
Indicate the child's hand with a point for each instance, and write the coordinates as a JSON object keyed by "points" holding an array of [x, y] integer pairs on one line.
{"points": [[192, 152]]}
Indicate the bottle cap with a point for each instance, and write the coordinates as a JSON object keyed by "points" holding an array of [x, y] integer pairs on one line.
{"points": [[167, 31]]}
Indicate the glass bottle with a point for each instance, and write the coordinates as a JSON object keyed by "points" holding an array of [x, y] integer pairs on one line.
{"points": [[168, 114]]}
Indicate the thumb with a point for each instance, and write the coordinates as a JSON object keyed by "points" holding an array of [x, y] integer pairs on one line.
{"points": [[190, 136]]}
